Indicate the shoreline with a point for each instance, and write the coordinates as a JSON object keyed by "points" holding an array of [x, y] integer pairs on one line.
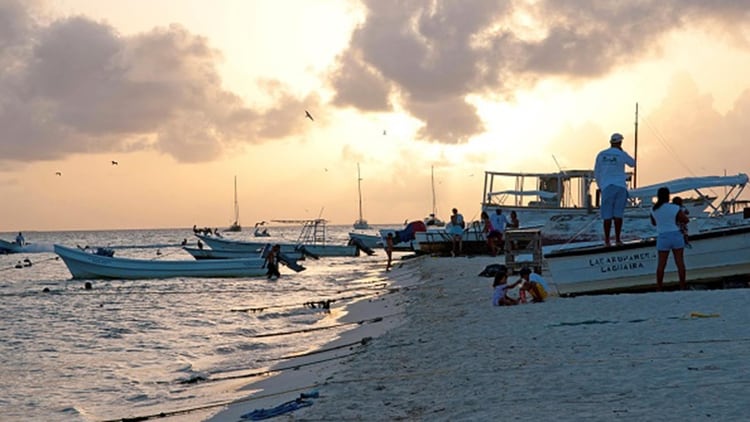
{"points": [[646, 356], [380, 314]]}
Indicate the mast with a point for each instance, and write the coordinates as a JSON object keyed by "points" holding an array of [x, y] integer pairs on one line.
{"points": [[635, 169], [236, 205], [432, 178], [359, 191]]}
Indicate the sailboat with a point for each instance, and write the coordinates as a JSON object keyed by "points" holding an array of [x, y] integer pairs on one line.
{"points": [[361, 223], [235, 227], [432, 219]]}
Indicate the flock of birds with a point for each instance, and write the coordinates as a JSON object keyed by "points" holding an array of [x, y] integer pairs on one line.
{"points": [[307, 115], [114, 163]]}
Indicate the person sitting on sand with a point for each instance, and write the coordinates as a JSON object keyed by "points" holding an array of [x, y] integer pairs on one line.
{"points": [[500, 284], [533, 285]]}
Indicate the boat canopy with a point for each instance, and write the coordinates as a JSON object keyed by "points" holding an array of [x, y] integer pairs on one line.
{"points": [[690, 183], [540, 193]]}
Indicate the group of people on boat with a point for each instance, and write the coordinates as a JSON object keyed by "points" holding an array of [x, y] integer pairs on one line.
{"points": [[207, 231]]}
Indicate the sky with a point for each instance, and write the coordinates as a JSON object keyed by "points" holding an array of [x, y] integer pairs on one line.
{"points": [[186, 95]]}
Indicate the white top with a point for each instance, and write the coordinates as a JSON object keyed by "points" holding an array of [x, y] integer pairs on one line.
{"points": [[666, 218], [609, 168], [499, 222], [459, 219], [499, 293]]}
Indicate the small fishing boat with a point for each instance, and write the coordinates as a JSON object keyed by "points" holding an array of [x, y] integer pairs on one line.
{"points": [[84, 264], [312, 242], [201, 253]]}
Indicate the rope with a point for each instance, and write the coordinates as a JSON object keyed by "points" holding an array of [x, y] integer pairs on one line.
{"points": [[30, 263], [327, 327]]}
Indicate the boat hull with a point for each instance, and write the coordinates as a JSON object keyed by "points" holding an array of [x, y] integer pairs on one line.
{"points": [[86, 265], [714, 256]]}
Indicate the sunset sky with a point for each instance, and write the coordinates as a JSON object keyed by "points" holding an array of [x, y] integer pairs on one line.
{"points": [[187, 94]]}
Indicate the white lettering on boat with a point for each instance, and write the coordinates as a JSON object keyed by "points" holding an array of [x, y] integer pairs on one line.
{"points": [[612, 263]]}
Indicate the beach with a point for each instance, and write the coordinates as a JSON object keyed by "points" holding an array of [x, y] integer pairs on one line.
{"points": [[442, 352]]}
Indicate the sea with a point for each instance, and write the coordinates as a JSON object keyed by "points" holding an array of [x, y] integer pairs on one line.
{"points": [[134, 348]]}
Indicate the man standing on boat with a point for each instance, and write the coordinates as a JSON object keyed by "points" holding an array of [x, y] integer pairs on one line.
{"points": [[609, 172]]}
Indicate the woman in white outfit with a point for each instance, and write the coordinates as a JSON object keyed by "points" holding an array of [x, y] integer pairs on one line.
{"points": [[667, 218]]}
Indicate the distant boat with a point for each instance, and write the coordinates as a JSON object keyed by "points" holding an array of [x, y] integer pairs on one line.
{"points": [[87, 265], [360, 224], [235, 227], [432, 219], [10, 247]]}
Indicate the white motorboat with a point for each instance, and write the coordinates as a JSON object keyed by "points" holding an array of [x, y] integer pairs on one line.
{"points": [[84, 264]]}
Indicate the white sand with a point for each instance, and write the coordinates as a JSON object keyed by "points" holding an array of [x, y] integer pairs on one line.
{"points": [[456, 357]]}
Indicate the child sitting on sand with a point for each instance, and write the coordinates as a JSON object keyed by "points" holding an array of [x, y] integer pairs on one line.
{"points": [[533, 284], [682, 225], [500, 296]]}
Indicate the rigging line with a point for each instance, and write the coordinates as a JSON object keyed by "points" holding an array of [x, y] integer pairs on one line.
{"points": [[263, 308], [364, 341], [665, 144], [327, 327]]}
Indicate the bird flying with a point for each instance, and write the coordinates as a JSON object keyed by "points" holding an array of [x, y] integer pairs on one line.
{"points": [[58, 173], [114, 163], [309, 116]]}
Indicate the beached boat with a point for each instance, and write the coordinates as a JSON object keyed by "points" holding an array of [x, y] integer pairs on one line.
{"points": [[361, 223], [714, 256], [235, 226], [84, 264]]}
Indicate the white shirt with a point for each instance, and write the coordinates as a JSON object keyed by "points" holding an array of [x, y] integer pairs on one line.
{"points": [[609, 168], [499, 293], [499, 222], [666, 218]]}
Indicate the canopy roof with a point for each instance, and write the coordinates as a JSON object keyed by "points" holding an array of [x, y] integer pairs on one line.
{"points": [[690, 183], [540, 193]]}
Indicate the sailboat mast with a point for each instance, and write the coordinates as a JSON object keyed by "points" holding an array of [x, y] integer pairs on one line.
{"points": [[635, 169], [359, 191], [236, 205], [432, 178]]}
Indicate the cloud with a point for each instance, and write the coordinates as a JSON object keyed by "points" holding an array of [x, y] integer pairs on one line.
{"points": [[75, 86], [431, 56]]}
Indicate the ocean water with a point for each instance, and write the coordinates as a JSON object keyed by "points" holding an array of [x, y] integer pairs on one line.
{"points": [[140, 347]]}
